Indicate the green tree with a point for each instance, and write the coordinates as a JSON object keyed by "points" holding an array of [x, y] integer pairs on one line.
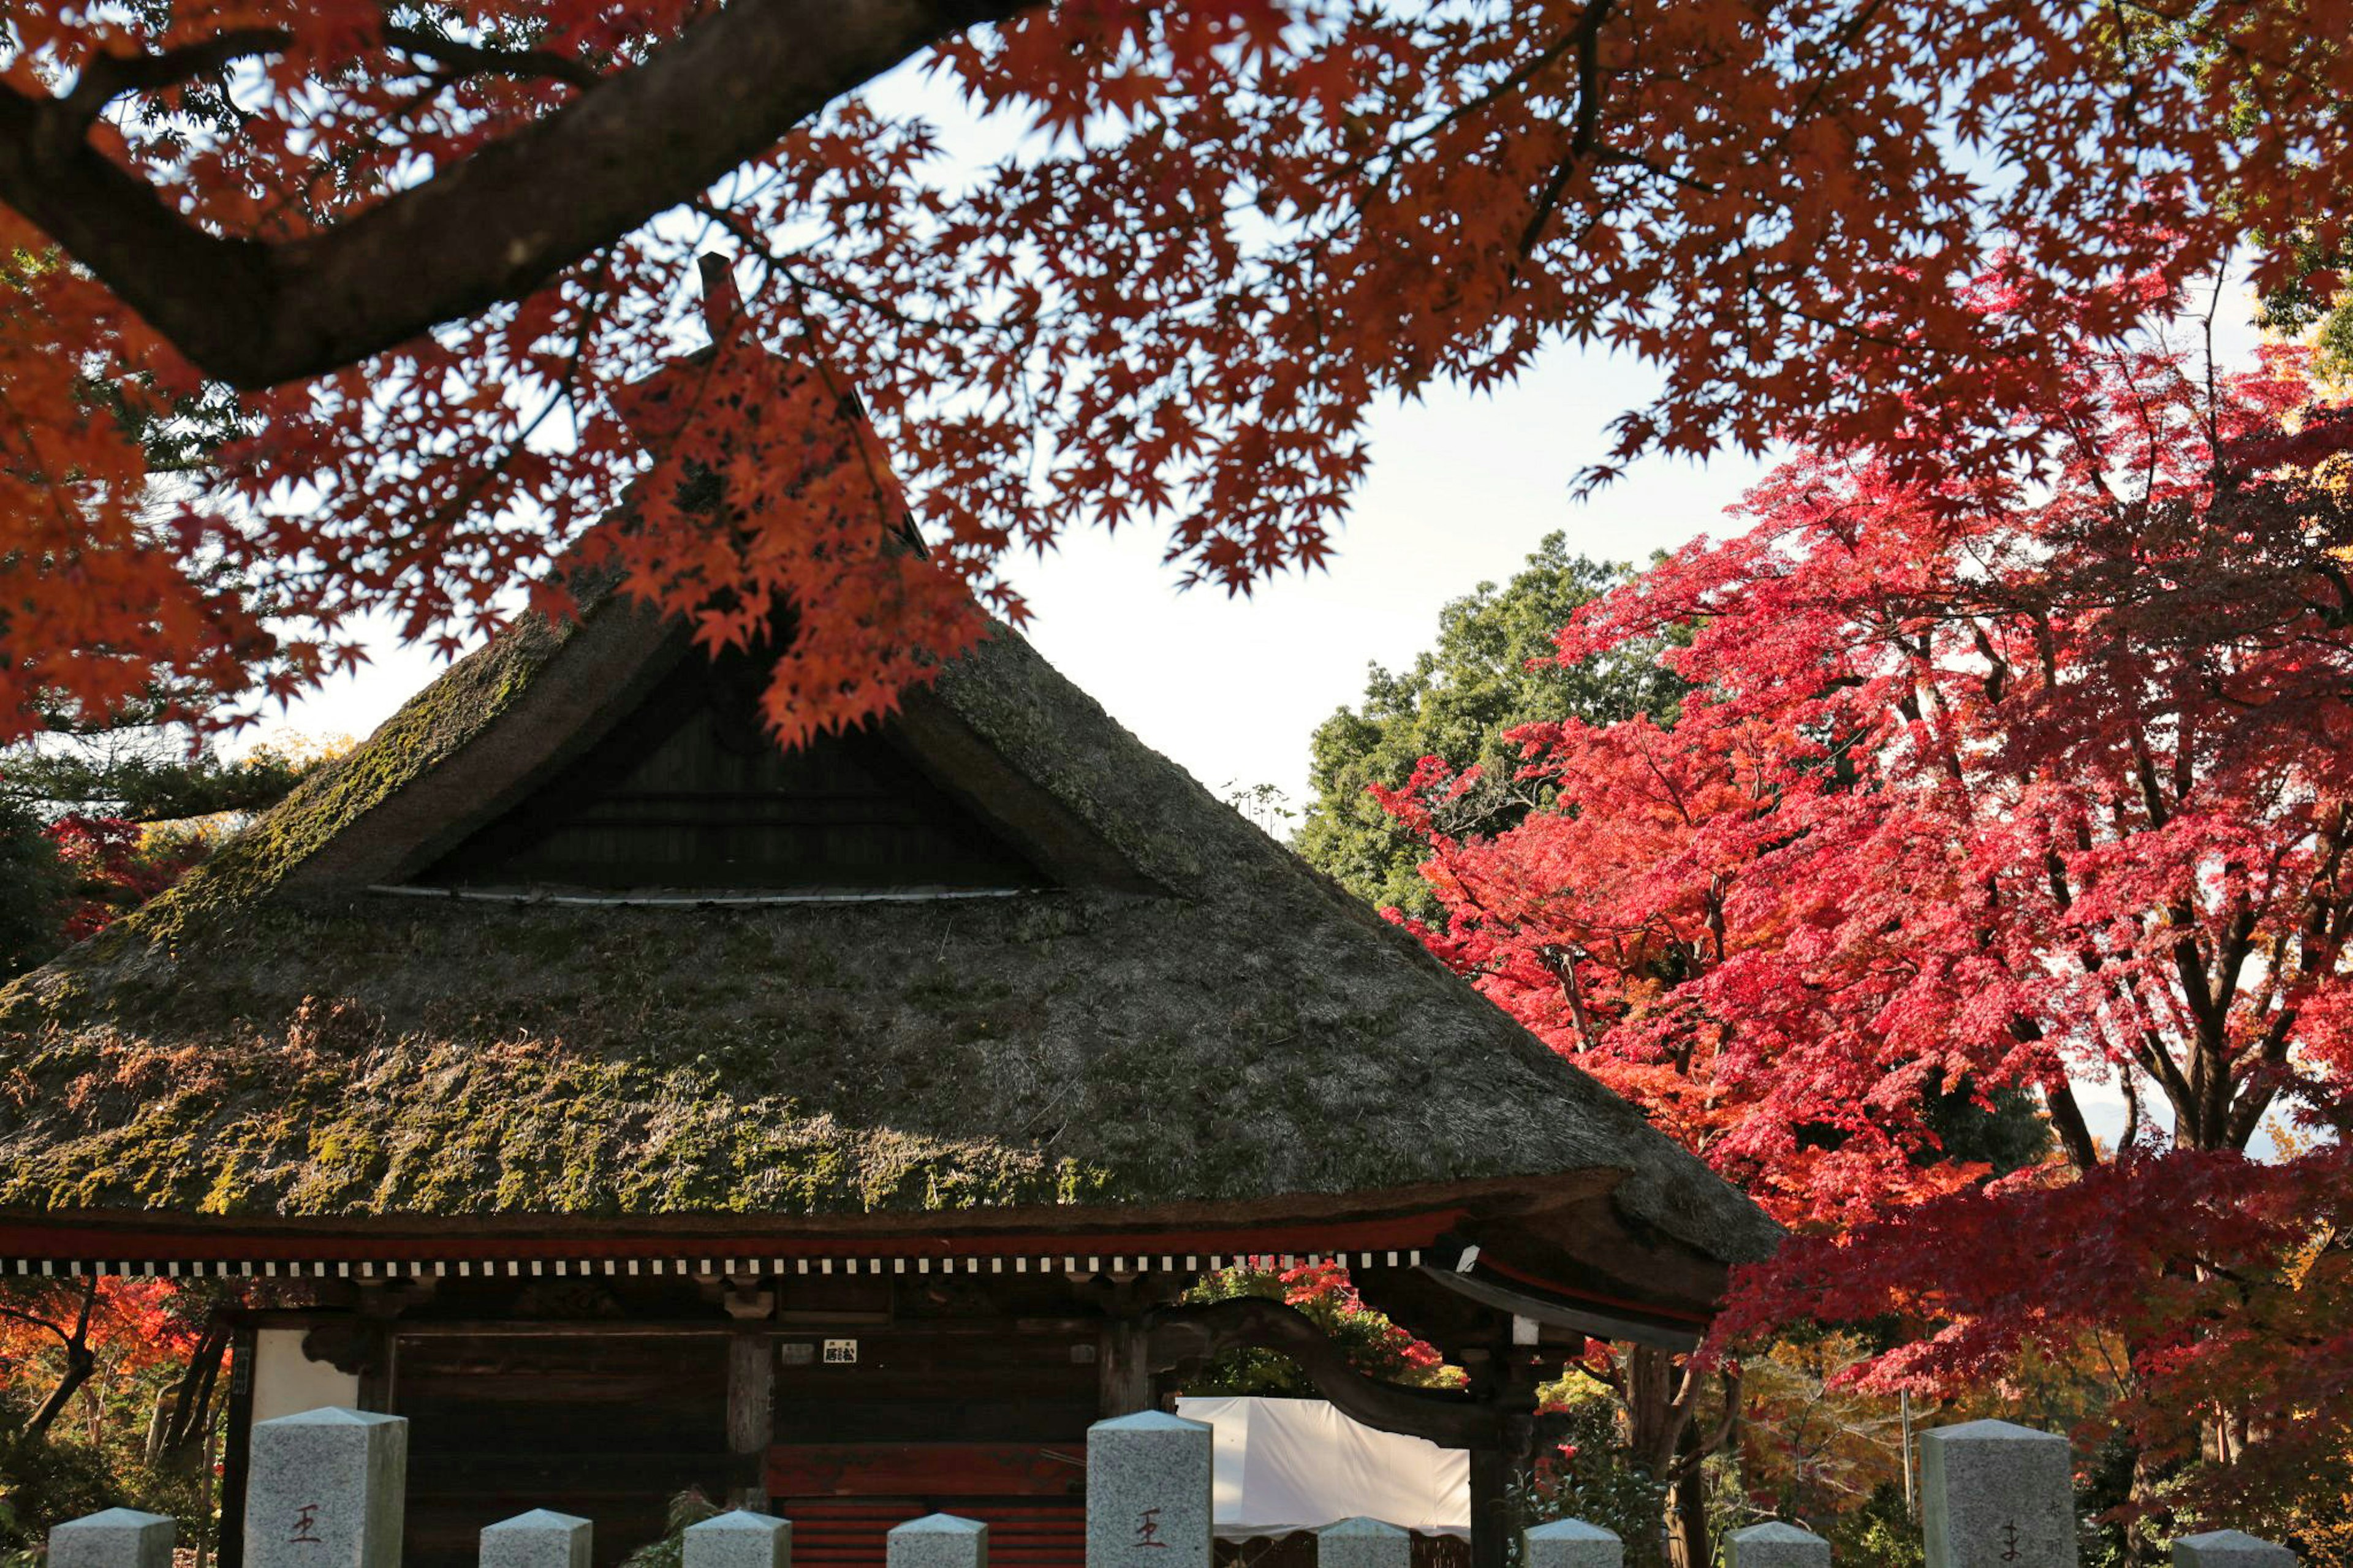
{"points": [[33, 890], [148, 776], [2316, 302], [1458, 702], [96, 819]]}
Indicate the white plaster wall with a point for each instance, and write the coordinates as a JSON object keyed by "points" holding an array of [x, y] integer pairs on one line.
{"points": [[287, 1382]]}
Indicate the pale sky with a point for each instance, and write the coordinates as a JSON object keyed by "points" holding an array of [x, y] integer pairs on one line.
{"points": [[1461, 491], [1462, 487]]}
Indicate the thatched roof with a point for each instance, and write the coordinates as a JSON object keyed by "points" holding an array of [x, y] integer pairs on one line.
{"points": [[1192, 1025]]}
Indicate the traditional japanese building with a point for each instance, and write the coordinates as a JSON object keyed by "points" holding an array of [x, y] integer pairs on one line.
{"points": [[635, 1106]]}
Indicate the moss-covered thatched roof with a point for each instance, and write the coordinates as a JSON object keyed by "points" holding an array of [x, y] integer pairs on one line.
{"points": [[1213, 1031]]}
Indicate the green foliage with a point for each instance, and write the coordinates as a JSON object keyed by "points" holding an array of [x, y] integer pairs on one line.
{"points": [[687, 1508], [2104, 1486], [95, 1453], [2315, 301], [1880, 1532], [1588, 1476], [33, 889], [1457, 701], [2009, 1132], [154, 785], [45, 1481]]}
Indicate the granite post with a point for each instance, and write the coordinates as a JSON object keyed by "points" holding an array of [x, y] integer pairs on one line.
{"points": [[739, 1540], [540, 1539], [937, 1541], [1995, 1495], [2230, 1549], [1573, 1543], [324, 1488], [1362, 1543], [113, 1538], [1776, 1545], [1148, 1487]]}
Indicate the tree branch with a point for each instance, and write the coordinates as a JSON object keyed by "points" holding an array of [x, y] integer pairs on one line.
{"points": [[109, 77], [473, 59], [490, 228], [80, 1364]]}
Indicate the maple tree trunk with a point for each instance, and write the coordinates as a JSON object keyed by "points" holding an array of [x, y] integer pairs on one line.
{"points": [[2139, 1552], [189, 1419], [1687, 1541], [1658, 1421], [1654, 1421], [80, 1364], [496, 224]]}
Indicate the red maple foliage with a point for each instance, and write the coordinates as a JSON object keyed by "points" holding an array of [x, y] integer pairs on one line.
{"points": [[435, 247], [1986, 783], [55, 1336], [114, 865]]}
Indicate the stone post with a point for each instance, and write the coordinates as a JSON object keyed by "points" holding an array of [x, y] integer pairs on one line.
{"points": [[1776, 1545], [113, 1538], [1362, 1543], [739, 1540], [540, 1539], [1994, 1495], [324, 1490], [937, 1541], [2223, 1549], [1573, 1543], [1148, 1486]]}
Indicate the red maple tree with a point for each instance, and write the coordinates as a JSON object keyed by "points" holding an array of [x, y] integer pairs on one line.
{"points": [[405, 263], [113, 866], [1989, 784]]}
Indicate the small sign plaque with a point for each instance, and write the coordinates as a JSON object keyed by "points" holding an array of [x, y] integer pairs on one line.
{"points": [[841, 1352]]}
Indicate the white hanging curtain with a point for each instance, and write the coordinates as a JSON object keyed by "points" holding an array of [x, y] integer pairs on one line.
{"points": [[1298, 1464]]}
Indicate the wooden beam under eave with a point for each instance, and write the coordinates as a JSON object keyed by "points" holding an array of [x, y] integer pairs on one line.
{"points": [[1198, 1332]]}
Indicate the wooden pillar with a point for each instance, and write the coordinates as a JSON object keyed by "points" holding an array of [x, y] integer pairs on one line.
{"points": [[374, 1351], [751, 1413], [229, 1550], [1506, 1376], [1124, 1368], [1491, 1520]]}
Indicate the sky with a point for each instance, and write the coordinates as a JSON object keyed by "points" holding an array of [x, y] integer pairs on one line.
{"points": [[1462, 489]]}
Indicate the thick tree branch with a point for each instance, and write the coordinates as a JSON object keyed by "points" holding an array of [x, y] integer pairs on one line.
{"points": [[492, 228], [80, 1362], [191, 1397]]}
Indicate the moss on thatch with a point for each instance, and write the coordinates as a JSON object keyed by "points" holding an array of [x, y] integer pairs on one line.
{"points": [[268, 1044], [427, 729]]}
